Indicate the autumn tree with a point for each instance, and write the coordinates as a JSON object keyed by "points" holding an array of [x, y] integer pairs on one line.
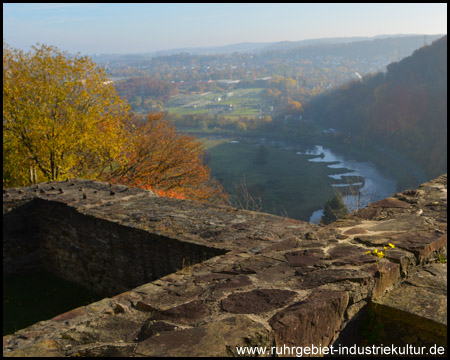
{"points": [[294, 107], [61, 117], [157, 157]]}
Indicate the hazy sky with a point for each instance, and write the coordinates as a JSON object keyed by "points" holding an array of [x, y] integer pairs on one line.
{"points": [[137, 28]]}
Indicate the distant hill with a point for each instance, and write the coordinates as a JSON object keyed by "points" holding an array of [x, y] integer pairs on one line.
{"points": [[314, 46], [404, 108], [247, 47], [289, 45], [258, 47], [380, 46]]}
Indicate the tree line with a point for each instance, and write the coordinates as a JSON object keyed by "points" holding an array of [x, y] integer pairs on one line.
{"points": [[404, 108]]}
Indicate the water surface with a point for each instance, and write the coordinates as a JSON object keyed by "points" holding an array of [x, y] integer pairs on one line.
{"points": [[378, 184]]}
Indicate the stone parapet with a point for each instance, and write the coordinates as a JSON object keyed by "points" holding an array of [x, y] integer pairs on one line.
{"points": [[192, 279]]}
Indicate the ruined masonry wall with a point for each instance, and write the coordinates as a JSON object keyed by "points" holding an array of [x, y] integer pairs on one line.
{"points": [[258, 279], [103, 256], [21, 239]]}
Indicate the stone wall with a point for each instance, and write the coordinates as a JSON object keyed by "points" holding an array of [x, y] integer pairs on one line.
{"points": [[21, 239], [103, 256], [274, 281]]}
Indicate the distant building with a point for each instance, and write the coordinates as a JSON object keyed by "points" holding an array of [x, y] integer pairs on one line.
{"points": [[358, 76], [228, 81]]}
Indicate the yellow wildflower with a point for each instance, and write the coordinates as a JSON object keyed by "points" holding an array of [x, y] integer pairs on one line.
{"points": [[368, 252], [391, 245], [375, 251], [380, 254]]}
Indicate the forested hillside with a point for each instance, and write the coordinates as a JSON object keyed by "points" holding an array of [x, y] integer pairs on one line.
{"points": [[404, 108]]}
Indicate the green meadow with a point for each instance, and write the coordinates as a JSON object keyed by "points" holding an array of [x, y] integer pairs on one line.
{"points": [[287, 183], [244, 102]]}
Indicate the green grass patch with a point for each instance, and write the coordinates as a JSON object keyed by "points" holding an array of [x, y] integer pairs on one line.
{"points": [[287, 183], [245, 101], [181, 111]]}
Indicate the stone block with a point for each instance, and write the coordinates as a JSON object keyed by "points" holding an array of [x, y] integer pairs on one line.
{"points": [[256, 301], [313, 321]]}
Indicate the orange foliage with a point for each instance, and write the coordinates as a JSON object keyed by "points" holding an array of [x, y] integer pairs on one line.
{"points": [[162, 193], [294, 107], [168, 163]]}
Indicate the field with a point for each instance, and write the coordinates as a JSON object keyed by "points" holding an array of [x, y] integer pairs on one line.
{"points": [[231, 104], [287, 183]]}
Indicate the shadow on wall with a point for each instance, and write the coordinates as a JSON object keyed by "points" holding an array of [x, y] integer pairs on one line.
{"points": [[49, 241]]}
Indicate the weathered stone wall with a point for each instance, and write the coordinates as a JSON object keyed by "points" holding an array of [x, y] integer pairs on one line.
{"points": [[21, 252], [280, 282], [103, 256], [107, 257]]}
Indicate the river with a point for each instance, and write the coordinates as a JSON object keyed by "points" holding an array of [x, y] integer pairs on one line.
{"points": [[373, 181], [377, 185]]}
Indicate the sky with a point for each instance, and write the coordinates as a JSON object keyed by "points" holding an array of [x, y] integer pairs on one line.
{"points": [[142, 28]]}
